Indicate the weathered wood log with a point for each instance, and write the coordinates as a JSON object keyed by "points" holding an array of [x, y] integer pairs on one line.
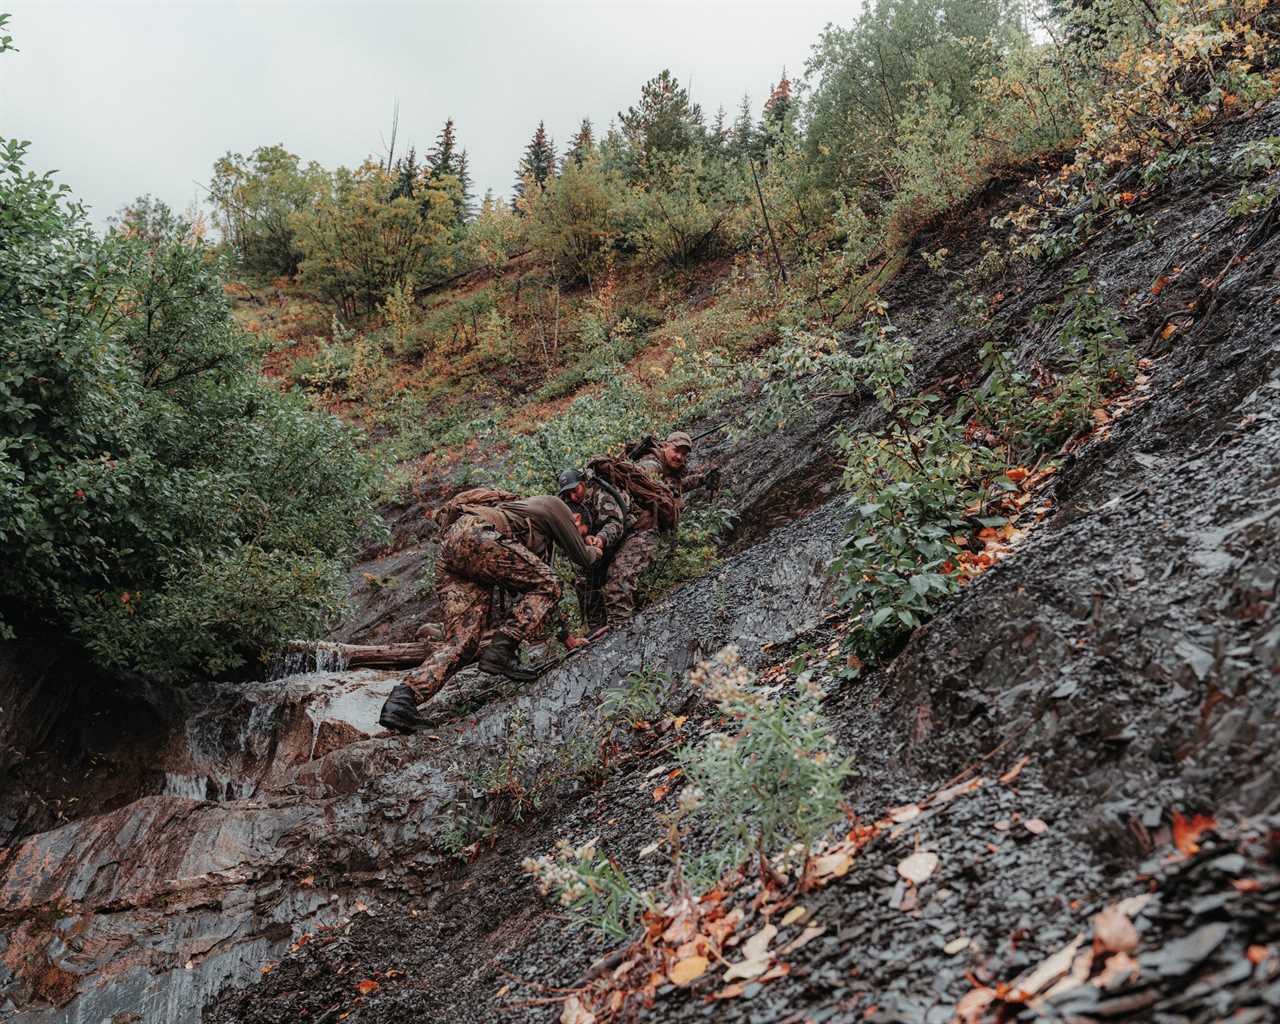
{"points": [[407, 655]]}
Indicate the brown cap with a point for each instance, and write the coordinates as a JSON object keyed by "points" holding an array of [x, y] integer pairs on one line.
{"points": [[680, 439]]}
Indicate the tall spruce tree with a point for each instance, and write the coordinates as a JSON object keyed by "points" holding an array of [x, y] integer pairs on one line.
{"points": [[407, 174], [743, 140], [664, 124], [779, 109], [468, 207], [443, 158], [582, 143], [538, 165]]}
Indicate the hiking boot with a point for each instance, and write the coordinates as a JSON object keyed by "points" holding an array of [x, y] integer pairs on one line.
{"points": [[400, 712], [499, 658]]}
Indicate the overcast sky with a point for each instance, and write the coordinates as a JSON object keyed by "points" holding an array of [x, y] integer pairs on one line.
{"points": [[124, 98]]}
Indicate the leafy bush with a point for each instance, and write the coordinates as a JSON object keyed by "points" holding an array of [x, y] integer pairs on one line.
{"points": [[595, 423], [909, 485], [777, 781], [591, 886], [574, 222], [164, 503], [256, 198], [358, 243]]}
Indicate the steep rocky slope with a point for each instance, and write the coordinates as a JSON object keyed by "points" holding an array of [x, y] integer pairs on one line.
{"points": [[1129, 651]]}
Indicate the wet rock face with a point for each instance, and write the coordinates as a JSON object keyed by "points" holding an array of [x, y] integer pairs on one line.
{"points": [[280, 809]]}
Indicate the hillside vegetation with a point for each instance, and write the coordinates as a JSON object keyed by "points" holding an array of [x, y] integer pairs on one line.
{"points": [[641, 274]]}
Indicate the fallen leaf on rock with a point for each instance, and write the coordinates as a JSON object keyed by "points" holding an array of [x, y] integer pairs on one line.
{"points": [[803, 939], [1016, 770], [268, 968], [956, 945], [576, 1013], [1048, 971], [793, 915], [1113, 932], [972, 1004], [728, 992], [660, 792], [651, 849], [1168, 331], [1246, 884], [918, 867], [1118, 969], [367, 986], [833, 865], [1187, 832], [758, 945], [1035, 826], [1003, 825], [774, 973], [1257, 954], [688, 969], [746, 969], [904, 813], [682, 929]]}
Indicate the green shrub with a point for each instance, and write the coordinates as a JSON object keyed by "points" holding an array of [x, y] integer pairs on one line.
{"points": [[592, 424], [358, 243], [162, 502], [256, 199], [777, 781]]}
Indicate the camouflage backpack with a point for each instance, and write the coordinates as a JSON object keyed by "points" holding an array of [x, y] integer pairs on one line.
{"points": [[449, 513], [646, 493]]}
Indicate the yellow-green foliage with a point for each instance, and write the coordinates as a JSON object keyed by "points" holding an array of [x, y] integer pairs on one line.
{"points": [[358, 244], [574, 222]]}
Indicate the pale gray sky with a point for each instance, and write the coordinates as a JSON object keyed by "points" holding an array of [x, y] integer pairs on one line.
{"points": [[124, 98]]}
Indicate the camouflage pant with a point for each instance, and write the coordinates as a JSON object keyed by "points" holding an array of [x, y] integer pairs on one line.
{"points": [[475, 561], [634, 555]]}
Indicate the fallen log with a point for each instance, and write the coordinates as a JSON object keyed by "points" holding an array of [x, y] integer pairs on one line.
{"points": [[406, 655]]}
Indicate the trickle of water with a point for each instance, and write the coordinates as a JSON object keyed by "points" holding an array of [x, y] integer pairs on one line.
{"points": [[302, 658]]}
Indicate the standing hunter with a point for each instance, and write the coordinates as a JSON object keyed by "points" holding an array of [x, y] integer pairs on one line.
{"points": [[604, 510], [666, 463], [492, 545]]}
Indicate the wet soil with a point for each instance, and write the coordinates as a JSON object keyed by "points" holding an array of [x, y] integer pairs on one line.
{"points": [[1129, 651]]}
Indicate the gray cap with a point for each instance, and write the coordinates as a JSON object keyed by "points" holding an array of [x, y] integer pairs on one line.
{"points": [[680, 439], [568, 480]]}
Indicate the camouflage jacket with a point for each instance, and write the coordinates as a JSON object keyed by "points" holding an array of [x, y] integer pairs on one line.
{"points": [[606, 518], [679, 480]]}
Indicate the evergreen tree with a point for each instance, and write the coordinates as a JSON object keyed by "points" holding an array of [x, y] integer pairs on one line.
{"points": [[665, 123], [538, 164], [468, 207], [718, 134], [742, 137], [779, 109], [583, 142], [443, 159], [407, 174]]}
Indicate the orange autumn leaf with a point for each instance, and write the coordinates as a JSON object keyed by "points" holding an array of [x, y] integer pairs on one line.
{"points": [[1246, 884], [1186, 832], [1016, 473], [1168, 331], [660, 792], [1257, 954], [367, 986], [689, 969], [1127, 197], [1158, 287]]}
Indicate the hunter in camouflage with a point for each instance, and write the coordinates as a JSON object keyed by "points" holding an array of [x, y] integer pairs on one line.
{"points": [[667, 463], [508, 546], [604, 510]]}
